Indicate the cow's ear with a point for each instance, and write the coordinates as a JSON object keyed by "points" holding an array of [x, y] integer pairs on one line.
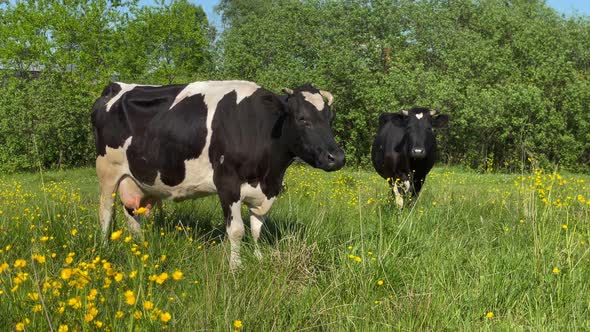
{"points": [[395, 118], [440, 121]]}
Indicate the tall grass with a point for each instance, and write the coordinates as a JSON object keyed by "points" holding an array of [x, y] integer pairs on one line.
{"points": [[473, 252]]}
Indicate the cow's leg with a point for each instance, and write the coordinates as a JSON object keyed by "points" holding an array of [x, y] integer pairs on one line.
{"points": [[256, 222], [229, 196], [399, 200], [108, 177], [133, 222], [235, 232]]}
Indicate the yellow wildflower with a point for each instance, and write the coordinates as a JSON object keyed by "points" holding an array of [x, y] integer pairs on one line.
{"points": [[148, 305], [238, 324], [490, 314], [20, 263], [129, 297], [66, 273], [116, 235], [177, 275], [39, 258], [165, 317]]}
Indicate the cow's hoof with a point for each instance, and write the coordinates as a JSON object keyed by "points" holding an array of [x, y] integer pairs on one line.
{"points": [[235, 264], [258, 254]]}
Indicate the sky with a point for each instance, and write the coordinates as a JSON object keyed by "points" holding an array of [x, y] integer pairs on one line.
{"points": [[571, 6]]}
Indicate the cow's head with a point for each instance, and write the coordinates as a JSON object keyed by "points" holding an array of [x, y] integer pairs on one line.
{"points": [[418, 123], [307, 127]]}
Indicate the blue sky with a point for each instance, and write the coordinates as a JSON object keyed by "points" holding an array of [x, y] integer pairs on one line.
{"points": [[571, 6]]}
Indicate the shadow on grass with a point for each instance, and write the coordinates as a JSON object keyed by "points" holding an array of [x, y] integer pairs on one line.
{"points": [[205, 223]]}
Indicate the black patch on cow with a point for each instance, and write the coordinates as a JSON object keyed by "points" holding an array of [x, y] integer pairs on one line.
{"points": [[247, 135], [130, 114], [109, 128], [169, 139]]}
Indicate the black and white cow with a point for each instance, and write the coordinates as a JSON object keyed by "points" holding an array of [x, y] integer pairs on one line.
{"points": [[404, 149], [230, 138]]}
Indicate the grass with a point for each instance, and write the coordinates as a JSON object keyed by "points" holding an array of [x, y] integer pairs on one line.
{"points": [[475, 252]]}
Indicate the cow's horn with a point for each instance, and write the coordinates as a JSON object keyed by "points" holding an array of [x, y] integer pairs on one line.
{"points": [[434, 112], [288, 91], [328, 96], [405, 112]]}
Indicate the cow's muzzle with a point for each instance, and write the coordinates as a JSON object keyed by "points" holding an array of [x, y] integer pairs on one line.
{"points": [[332, 161], [418, 153]]}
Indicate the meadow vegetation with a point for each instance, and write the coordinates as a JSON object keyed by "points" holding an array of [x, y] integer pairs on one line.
{"points": [[494, 251]]}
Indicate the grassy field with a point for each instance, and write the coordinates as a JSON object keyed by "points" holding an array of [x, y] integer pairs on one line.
{"points": [[498, 252]]}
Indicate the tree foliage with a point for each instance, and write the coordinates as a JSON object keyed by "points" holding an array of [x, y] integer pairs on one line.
{"points": [[57, 56], [513, 75]]}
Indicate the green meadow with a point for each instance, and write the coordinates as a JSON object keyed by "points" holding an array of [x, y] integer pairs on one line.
{"points": [[474, 252]]}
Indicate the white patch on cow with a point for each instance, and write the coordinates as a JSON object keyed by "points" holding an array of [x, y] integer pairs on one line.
{"points": [[315, 99], [217, 89], [124, 88], [399, 201], [419, 115], [235, 233], [255, 199], [221, 159], [406, 186]]}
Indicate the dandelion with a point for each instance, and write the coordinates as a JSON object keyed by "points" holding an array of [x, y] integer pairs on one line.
{"points": [[20, 326], [490, 314], [165, 317], [140, 210], [380, 282], [137, 314], [555, 270], [238, 324], [564, 226], [358, 259], [116, 235], [119, 314]]}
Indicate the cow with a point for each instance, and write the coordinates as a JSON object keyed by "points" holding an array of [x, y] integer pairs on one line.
{"points": [[404, 149], [230, 138]]}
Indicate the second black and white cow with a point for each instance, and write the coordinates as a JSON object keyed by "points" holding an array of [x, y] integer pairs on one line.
{"points": [[404, 149], [230, 138]]}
